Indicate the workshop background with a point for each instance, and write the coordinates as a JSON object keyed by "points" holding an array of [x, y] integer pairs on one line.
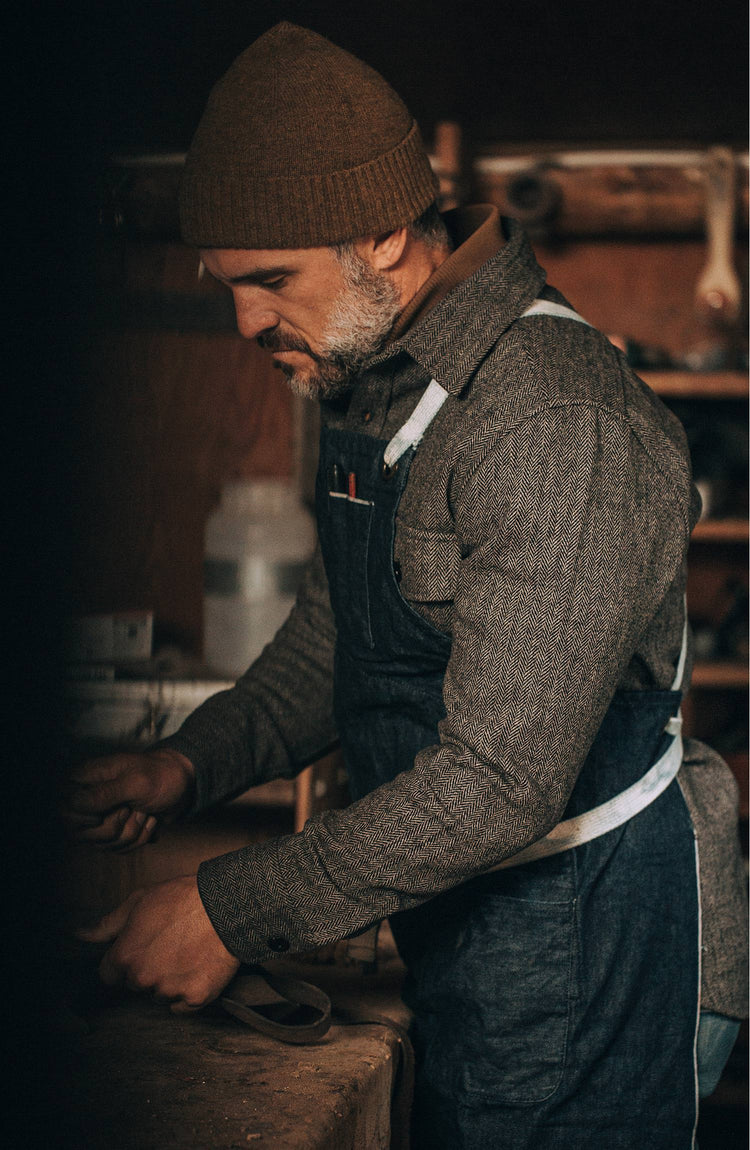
{"points": [[618, 133]]}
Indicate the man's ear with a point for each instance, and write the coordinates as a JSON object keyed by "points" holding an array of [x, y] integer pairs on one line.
{"points": [[383, 251]]}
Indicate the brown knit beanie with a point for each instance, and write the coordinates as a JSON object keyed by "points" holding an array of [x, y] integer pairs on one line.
{"points": [[301, 145]]}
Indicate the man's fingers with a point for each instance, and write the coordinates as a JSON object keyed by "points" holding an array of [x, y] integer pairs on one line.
{"points": [[182, 1007], [143, 828], [101, 785], [94, 797], [78, 821], [110, 972], [161, 941], [108, 830], [108, 929], [93, 772], [121, 830], [130, 830]]}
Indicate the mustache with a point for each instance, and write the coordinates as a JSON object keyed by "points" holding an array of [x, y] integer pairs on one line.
{"points": [[278, 341]]}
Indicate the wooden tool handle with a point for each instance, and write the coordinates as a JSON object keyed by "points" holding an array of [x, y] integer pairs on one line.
{"points": [[718, 292]]}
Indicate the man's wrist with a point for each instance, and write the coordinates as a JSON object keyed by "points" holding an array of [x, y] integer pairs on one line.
{"points": [[181, 778]]}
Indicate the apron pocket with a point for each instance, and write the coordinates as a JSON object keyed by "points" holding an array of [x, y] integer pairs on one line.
{"points": [[504, 990], [526, 984], [350, 524]]}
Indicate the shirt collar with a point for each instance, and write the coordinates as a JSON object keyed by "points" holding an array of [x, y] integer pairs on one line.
{"points": [[477, 236], [470, 300]]}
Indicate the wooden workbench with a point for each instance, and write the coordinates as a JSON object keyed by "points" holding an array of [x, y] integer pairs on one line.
{"points": [[145, 1079]]}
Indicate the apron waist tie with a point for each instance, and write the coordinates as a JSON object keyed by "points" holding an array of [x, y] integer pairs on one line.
{"points": [[616, 811]]}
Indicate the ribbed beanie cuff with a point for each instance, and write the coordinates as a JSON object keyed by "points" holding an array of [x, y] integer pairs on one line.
{"points": [[301, 145]]}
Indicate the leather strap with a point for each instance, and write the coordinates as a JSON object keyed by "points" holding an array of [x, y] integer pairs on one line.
{"points": [[282, 1007]]}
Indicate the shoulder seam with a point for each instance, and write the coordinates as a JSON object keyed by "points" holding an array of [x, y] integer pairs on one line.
{"points": [[599, 408]]}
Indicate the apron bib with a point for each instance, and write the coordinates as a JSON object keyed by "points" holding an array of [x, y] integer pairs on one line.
{"points": [[555, 1000]]}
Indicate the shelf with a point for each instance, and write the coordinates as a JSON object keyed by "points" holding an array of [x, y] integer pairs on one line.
{"points": [[698, 384], [720, 676], [277, 793], [721, 531]]}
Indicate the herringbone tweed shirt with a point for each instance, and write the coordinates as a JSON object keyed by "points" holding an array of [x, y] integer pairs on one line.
{"points": [[544, 527]]}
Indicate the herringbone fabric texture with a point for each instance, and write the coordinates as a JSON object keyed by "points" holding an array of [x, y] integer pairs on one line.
{"points": [[544, 527]]}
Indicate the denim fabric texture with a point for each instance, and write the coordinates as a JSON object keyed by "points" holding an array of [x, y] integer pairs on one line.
{"points": [[555, 1003], [717, 1035]]}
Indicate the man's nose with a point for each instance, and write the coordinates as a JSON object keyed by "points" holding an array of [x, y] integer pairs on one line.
{"points": [[253, 318]]}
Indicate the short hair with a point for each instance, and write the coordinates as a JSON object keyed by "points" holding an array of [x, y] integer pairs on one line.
{"points": [[429, 228]]}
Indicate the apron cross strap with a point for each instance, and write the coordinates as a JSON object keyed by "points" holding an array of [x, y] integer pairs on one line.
{"points": [[420, 419], [435, 396], [559, 310]]}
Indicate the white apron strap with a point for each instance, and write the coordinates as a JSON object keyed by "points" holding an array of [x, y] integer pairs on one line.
{"points": [[435, 396], [420, 419], [618, 810], [547, 307]]}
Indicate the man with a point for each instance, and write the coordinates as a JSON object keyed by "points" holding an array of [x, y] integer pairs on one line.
{"points": [[493, 627]]}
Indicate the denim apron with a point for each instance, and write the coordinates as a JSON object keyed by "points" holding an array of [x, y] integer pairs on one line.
{"points": [[555, 1001]]}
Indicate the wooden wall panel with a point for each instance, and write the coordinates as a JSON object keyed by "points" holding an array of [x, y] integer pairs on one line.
{"points": [[643, 289], [168, 417]]}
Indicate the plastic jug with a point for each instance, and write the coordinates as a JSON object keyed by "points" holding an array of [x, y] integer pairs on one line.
{"points": [[257, 544]]}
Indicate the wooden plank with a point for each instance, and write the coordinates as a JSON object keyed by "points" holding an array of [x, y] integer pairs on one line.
{"points": [[698, 385], [643, 291], [602, 194], [721, 531], [720, 676], [146, 1079]]}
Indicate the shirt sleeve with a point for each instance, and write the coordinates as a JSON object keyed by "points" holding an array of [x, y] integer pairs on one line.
{"points": [[279, 715], [570, 536]]}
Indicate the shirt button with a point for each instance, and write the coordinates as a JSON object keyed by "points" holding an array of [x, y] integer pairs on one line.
{"points": [[278, 943], [397, 571], [366, 416]]}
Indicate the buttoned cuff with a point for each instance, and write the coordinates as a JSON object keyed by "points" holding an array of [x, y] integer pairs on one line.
{"points": [[253, 928]]}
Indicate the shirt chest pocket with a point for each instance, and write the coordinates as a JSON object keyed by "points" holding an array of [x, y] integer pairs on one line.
{"points": [[426, 563]]}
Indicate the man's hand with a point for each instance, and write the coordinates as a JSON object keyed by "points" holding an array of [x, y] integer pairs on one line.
{"points": [[163, 942], [116, 802]]}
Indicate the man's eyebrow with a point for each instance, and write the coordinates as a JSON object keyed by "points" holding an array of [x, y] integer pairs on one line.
{"points": [[259, 275]]}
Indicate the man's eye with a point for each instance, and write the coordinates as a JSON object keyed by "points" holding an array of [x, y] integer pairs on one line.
{"points": [[274, 283]]}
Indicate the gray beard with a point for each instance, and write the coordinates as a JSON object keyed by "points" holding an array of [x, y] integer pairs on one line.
{"points": [[358, 327]]}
